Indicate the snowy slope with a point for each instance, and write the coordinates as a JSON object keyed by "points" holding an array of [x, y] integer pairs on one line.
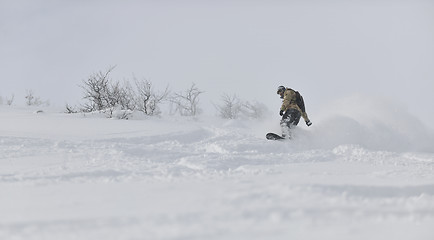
{"points": [[87, 177]]}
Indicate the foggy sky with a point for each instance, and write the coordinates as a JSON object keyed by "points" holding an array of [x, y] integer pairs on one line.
{"points": [[324, 49]]}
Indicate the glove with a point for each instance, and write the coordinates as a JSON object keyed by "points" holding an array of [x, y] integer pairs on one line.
{"points": [[281, 112], [308, 123]]}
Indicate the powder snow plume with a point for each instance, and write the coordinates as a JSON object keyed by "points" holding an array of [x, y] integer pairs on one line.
{"points": [[372, 122]]}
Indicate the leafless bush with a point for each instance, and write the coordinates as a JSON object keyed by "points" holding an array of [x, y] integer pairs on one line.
{"points": [[118, 99], [127, 97], [230, 107], [115, 99], [10, 101], [32, 100], [254, 110], [70, 109], [233, 107], [187, 103], [97, 91], [105, 95], [147, 99]]}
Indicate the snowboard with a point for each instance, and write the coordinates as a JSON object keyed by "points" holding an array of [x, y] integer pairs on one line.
{"points": [[273, 136]]}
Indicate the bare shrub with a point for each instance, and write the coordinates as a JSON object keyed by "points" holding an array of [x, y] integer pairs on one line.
{"points": [[127, 98], [230, 107], [187, 103], [233, 107], [147, 99], [70, 109], [10, 101], [32, 100], [254, 110], [118, 99], [96, 91]]}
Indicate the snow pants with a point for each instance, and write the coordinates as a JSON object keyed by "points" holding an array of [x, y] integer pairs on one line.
{"points": [[289, 119]]}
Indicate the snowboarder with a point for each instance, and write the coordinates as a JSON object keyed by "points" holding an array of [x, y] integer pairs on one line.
{"points": [[291, 110]]}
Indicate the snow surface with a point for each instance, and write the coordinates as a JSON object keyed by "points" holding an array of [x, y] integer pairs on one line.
{"points": [[88, 177]]}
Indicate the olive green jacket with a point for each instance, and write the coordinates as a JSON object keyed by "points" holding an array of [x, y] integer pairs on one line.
{"points": [[289, 102]]}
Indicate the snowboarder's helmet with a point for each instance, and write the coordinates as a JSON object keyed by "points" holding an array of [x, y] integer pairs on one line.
{"points": [[281, 90]]}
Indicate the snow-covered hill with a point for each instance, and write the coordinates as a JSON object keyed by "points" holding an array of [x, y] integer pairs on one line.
{"points": [[88, 177]]}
